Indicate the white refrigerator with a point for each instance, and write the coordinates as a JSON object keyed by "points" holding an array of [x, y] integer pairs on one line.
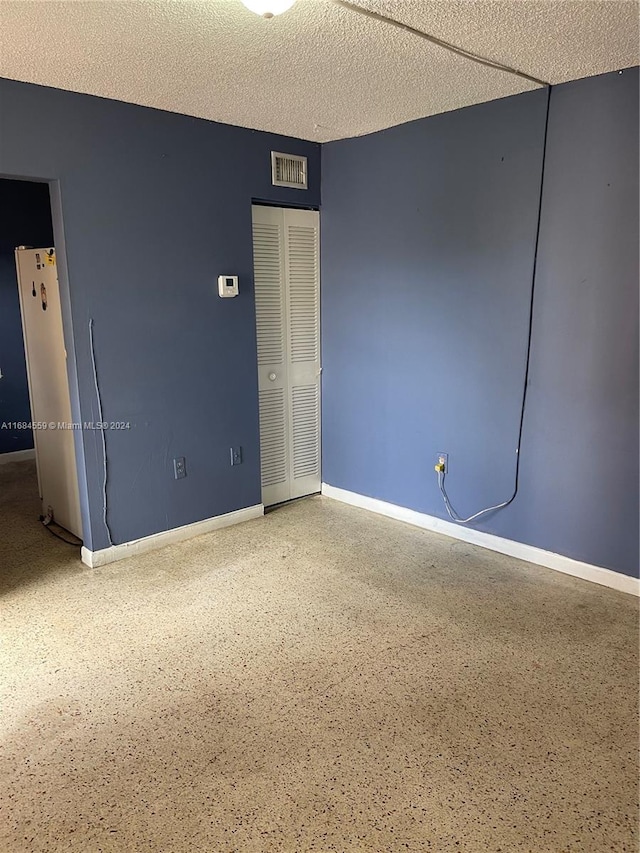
{"points": [[49, 386]]}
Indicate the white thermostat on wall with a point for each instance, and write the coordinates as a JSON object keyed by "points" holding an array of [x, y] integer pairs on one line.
{"points": [[228, 285]]}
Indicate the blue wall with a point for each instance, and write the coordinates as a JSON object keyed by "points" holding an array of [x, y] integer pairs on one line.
{"points": [[154, 206], [428, 233], [25, 220], [427, 242]]}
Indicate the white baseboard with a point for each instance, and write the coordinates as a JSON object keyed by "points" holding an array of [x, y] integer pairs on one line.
{"points": [[17, 456], [529, 553], [93, 559]]}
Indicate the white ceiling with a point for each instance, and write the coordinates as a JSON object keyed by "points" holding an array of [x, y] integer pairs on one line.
{"points": [[319, 71]]}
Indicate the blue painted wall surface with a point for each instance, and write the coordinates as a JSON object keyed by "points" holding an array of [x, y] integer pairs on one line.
{"points": [[155, 206], [25, 220], [428, 234]]}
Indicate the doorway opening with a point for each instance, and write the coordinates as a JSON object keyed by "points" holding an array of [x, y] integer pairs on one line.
{"points": [[287, 298], [36, 426]]}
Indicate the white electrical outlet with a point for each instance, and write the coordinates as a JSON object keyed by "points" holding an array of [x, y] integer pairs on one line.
{"points": [[227, 285], [443, 459]]}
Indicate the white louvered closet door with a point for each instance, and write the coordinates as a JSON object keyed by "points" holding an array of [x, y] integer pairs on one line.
{"points": [[287, 292]]}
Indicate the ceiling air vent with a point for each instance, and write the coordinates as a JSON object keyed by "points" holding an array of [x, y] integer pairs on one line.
{"points": [[288, 170]]}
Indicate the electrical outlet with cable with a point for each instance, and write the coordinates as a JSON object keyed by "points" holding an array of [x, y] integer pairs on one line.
{"points": [[442, 465]]}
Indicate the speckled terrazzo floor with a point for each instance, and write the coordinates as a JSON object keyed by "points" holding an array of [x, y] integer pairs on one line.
{"points": [[318, 680]]}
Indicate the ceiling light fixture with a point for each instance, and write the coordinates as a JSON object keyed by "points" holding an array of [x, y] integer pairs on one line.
{"points": [[268, 8]]}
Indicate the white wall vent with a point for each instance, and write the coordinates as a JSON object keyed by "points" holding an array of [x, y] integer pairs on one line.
{"points": [[288, 170]]}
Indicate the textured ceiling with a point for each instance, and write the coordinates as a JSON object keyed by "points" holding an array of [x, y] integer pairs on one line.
{"points": [[319, 71]]}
